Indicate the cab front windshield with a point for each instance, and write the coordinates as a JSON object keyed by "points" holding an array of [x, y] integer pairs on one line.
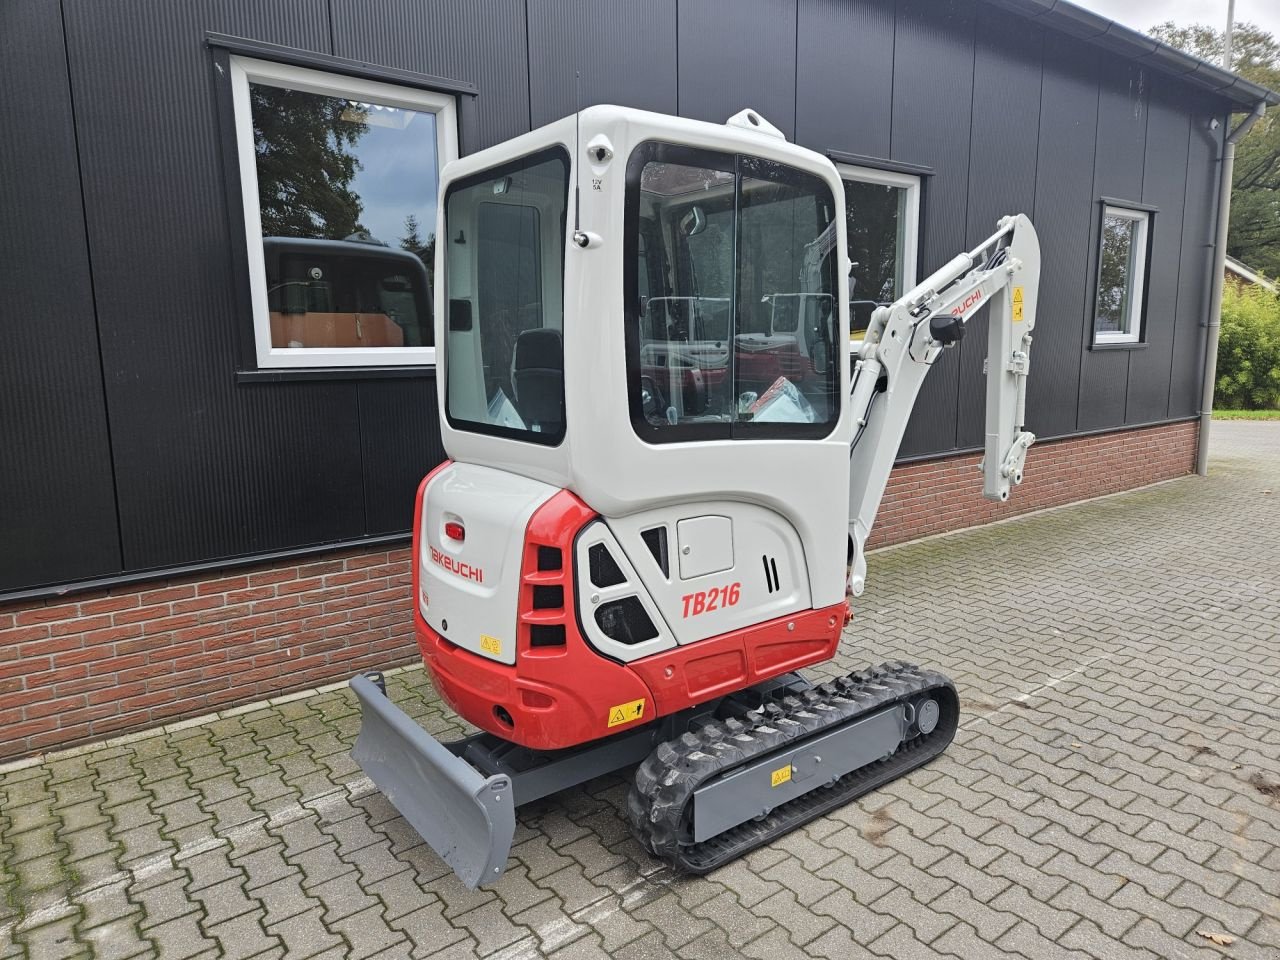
{"points": [[730, 297], [504, 279]]}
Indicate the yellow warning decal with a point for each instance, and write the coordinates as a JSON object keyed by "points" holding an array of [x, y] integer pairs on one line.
{"points": [[780, 776], [1017, 304], [491, 645], [626, 712]]}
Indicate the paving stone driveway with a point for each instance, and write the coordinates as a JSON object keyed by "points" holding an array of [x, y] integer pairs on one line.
{"points": [[1114, 788]]}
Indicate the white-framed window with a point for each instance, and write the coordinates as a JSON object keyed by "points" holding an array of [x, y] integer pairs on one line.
{"points": [[340, 179], [883, 212], [1122, 271]]}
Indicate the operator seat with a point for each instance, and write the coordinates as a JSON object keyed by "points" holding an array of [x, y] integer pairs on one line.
{"points": [[537, 376]]}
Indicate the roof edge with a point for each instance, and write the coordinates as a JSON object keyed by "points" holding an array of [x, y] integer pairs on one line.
{"points": [[1093, 28]]}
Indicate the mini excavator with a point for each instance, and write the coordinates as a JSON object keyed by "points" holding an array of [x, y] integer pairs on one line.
{"points": [[665, 457]]}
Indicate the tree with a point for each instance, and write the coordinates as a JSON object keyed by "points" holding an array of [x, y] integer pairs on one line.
{"points": [[304, 145], [413, 242], [1254, 235]]}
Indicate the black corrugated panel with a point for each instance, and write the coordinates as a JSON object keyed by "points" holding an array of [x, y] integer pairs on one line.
{"points": [[738, 55], [1002, 173], [844, 76], [1123, 93], [1064, 222], [57, 502], [626, 53], [400, 443], [1163, 185], [205, 468], [1196, 263], [480, 41], [932, 96]]}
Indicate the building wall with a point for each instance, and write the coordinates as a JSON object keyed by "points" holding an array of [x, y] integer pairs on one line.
{"points": [[136, 446], [90, 666]]}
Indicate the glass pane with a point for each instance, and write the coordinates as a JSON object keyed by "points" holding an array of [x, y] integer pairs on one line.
{"points": [[686, 260], [504, 272], [347, 196], [783, 359], [1115, 274], [875, 213], [734, 279]]}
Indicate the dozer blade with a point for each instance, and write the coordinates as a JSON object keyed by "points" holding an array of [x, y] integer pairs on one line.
{"points": [[467, 818]]}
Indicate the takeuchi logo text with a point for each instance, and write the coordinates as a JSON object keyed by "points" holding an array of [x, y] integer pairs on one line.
{"points": [[459, 569]]}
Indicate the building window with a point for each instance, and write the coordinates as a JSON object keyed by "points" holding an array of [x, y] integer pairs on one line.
{"points": [[883, 212], [340, 180], [1122, 270]]}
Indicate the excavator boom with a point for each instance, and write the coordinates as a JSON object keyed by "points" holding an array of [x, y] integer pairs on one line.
{"points": [[906, 338]]}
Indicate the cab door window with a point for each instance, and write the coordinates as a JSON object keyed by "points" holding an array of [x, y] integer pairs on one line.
{"points": [[730, 297]]}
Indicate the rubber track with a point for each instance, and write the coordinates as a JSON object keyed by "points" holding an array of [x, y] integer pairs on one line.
{"points": [[659, 804]]}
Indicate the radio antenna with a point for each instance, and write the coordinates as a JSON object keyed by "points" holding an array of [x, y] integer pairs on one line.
{"points": [[578, 237]]}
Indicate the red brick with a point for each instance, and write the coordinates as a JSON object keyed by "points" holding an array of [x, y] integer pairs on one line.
{"points": [[167, 594], [108, 604], [223, 586], [46, 614]]}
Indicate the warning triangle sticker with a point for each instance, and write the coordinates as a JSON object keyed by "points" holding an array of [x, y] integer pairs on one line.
{"points": [[1017, 294], [617, 717]]}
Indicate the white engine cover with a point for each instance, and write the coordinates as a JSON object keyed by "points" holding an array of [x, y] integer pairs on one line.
{"points": [[472, 587], [756, 560]]}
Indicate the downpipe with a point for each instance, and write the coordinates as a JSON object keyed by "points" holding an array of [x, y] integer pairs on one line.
{"points": [[1214, 327]]}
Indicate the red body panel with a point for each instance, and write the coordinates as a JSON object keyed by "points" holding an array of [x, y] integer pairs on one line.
{"points": [[564, 695]]}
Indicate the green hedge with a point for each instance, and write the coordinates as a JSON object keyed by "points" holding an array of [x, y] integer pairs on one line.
{"points": [[1249, 349]]}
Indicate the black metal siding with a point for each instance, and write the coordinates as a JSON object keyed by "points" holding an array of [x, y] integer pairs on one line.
{"points": [[1117, 172], [737, 55], [627, 57], [57, 498], [134, 445], [1064, 214], [933, 67]]}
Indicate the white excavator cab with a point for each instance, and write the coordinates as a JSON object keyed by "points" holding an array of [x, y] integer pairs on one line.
{"points": [[646, 311], [665, 458]]}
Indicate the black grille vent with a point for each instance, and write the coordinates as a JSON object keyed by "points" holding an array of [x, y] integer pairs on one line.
{"points": [[771, 574], [604, 569], [655, 538], [546, 635], [548, 598], [549, 558], [625, 621]]}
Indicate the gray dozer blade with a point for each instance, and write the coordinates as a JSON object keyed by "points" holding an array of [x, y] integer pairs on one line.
{"points": [[467, 818]]}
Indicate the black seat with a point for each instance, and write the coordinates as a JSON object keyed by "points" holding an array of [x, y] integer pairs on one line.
{"points": [[537, 374]]}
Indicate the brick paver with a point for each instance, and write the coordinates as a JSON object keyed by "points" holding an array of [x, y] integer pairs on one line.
{"points": [[1113, 790]]}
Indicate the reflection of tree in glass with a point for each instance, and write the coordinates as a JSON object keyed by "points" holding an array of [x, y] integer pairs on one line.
{"points": [[423, 250], [1113, 273], [871, 210], [305, 164]]}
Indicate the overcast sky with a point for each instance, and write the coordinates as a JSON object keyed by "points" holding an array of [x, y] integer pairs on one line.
{"points": [[1144, 14]]}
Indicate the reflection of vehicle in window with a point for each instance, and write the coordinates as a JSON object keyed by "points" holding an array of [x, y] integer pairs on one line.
{"points": [[345, 293]]}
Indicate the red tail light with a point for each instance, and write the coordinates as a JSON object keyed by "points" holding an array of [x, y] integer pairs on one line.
{"points": [[455, 531]]}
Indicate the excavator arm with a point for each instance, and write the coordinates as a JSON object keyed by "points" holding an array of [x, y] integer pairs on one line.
{"points": [[906, 338]]}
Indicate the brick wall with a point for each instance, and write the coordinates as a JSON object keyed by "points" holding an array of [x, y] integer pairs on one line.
{"points": [[935, 496], [93, 665], [89, 666]]}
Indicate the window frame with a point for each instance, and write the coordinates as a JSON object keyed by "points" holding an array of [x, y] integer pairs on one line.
{"points": [[244, 70], [1135, 319], [913, 184]]}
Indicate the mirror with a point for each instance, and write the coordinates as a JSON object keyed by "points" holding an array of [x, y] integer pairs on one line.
{"points": [[693, 222]]}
